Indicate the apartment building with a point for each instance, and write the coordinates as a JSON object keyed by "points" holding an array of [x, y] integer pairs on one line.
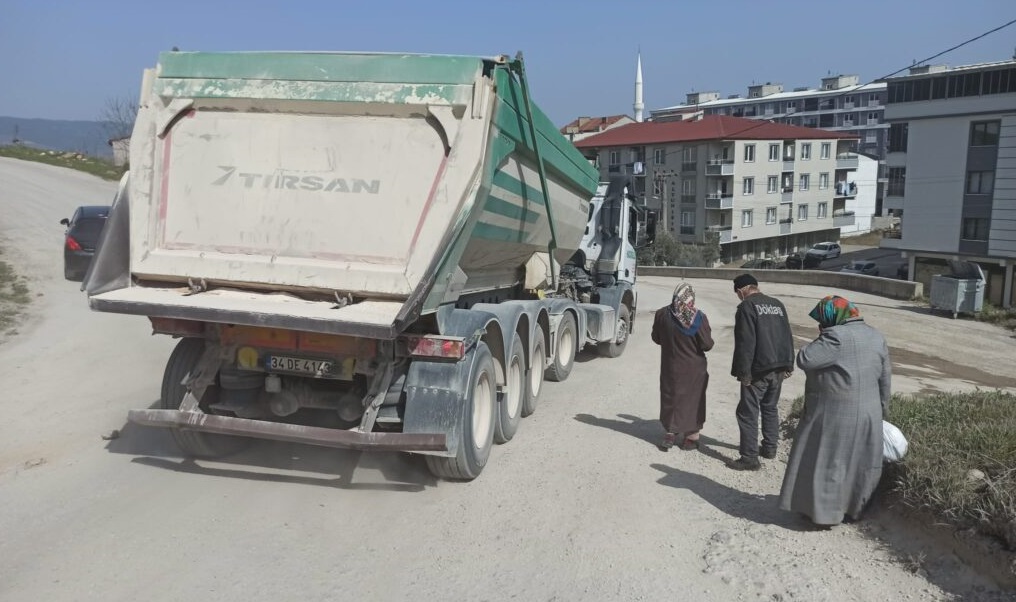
{"points": [[952, 170], [839, 104], [762, 189]]}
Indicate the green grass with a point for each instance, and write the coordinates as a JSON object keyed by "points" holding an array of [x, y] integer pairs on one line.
{"points": [[961, 464], [992, 314], [13, 296], [98, 167]]}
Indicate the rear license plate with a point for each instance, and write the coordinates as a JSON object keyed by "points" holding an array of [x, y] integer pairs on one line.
{"points": [[299, 365]]}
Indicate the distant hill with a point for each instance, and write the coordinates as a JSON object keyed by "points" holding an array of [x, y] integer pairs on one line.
{"points": [[87, 137]]}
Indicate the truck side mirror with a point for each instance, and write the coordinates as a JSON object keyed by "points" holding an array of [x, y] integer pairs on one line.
{"points": [[65, 222]]}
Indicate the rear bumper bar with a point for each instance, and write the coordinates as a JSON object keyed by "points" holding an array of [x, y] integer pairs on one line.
{"points": [[295, 433]]}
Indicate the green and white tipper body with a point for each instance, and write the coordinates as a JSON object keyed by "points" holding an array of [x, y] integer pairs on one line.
{"points": [[361, 250]]}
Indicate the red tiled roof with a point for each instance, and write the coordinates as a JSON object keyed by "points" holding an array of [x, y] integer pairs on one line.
{"points": [[709, 127], [584, 125]]}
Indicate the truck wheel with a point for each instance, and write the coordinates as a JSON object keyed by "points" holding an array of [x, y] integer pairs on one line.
{"points": [[509, 401], [615, 347], [183, 359], [476, 423], [564, 359], [534, 380]]}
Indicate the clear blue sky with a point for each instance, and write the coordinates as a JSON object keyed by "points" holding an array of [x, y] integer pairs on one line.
{"points": [[63, 59]]}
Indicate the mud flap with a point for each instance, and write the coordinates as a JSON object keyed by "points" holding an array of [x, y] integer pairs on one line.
{"points": [[435, 394]]}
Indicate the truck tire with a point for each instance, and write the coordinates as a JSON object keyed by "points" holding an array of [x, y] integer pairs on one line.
{"points": [[202, 445], [615, 347], [534, 377], [476, 422], [564, 359], [509, 401]]}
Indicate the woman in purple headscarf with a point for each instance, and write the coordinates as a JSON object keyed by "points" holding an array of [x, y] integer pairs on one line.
{"points": [[684, 337]]}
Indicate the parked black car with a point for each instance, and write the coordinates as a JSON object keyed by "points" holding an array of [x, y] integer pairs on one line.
{"points": [[83, 229], [797, 261], [761, 264]]}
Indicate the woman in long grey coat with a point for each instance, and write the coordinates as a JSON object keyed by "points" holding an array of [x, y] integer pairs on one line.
{"points": [[836, 460], [684, 337]]}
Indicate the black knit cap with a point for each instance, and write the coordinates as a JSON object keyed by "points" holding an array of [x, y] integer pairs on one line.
{"points": [[744, 280]]}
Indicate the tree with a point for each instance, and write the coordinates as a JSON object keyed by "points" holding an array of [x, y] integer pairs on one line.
{"points": [[667, 251], [118, 115]]}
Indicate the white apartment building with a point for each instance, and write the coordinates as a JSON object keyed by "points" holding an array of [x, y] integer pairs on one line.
{"points": [[762, 189], [952, 170], [839, 104]]}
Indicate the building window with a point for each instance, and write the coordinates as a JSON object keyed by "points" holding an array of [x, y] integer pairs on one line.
{"points": [[980, 182], [748, 186], [806, 151], [689, 158], [870, 137], [770, 215], [688, 186], [659, 157], [804, 182], [749, 153], [687, 222], [975, 228], [774, 152], [822, 211], [826, 149], [897, 179], [746, 218], [772, 184], [872, 118], [898, 137], [802, 212], [823, 181], [615, 157], [984, 133], [657, 188]]}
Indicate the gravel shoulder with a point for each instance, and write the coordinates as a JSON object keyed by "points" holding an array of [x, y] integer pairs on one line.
{"points": [[581, 505]]}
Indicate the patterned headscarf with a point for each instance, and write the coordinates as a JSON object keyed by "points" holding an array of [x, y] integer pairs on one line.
{"points": [[682, 305], [834, 310]]}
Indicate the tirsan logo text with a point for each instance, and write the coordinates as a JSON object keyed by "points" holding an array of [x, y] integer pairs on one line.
{"points": [[279, 179]]}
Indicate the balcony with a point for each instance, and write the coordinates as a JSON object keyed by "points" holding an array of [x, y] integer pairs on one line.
{"points": [[720, 167], [786, 226], [787, 194], [689, 166], [723, 232], [841, 219], [846, 161], [891, 239], [845, 190], [719, 200], [788, 164]]}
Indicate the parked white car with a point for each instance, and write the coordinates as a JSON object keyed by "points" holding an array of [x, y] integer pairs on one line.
{"points": [[825, 250]]}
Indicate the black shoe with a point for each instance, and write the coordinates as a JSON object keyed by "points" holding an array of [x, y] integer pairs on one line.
{"points": [[743, 463], [768, 454]]}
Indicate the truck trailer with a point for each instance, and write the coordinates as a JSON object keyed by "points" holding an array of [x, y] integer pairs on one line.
{"points": [[358, 250]]}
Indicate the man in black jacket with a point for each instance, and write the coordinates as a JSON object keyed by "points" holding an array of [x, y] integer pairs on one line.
{"points": [[763, 357]]}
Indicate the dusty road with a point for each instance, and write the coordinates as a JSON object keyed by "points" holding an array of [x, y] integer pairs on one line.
{"points": [[579, 506]]}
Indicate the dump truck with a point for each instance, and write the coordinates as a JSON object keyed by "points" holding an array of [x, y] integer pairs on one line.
{"points": [[367, 251]]}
